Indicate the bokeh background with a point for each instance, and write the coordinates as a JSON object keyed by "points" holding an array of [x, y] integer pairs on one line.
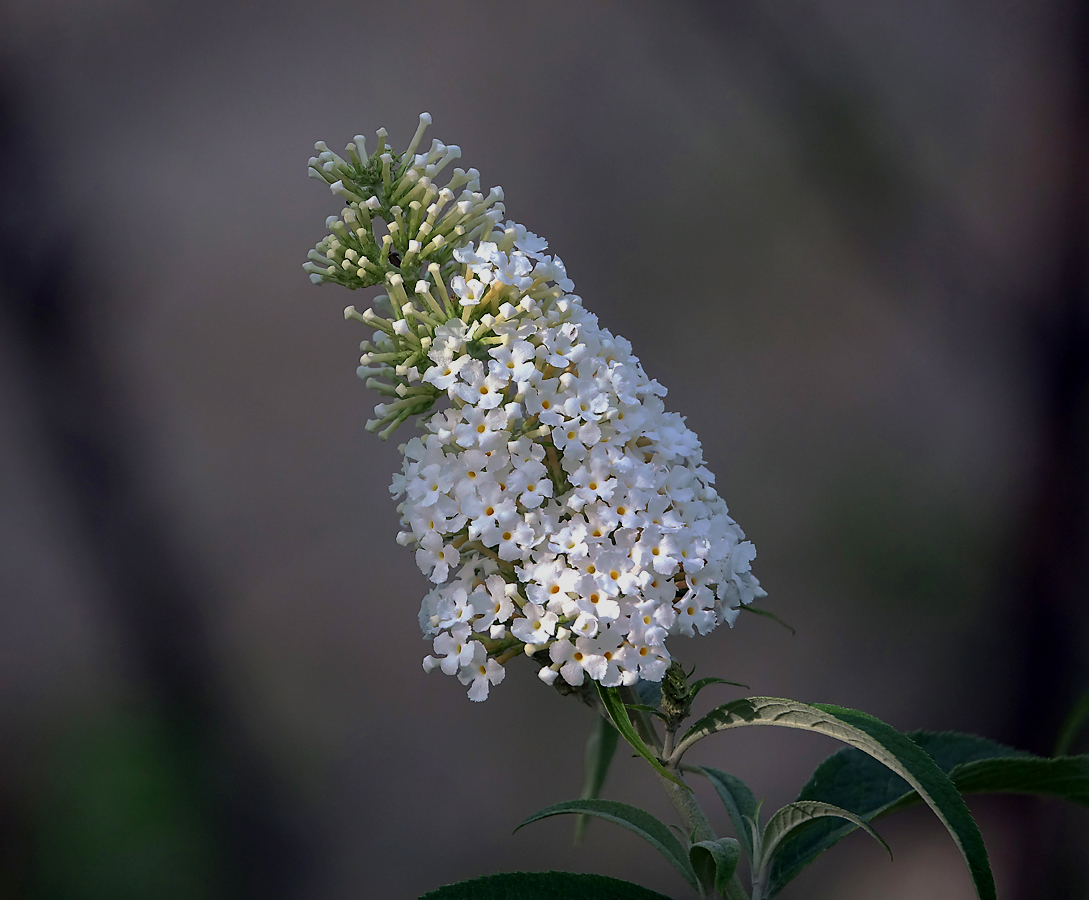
{"points": [[849, 237]]}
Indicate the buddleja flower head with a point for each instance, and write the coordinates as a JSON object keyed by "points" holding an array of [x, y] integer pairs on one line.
{"points": [[554, 503]]}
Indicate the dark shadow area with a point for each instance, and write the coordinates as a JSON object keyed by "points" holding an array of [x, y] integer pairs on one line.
{"points": [[167, 797]]}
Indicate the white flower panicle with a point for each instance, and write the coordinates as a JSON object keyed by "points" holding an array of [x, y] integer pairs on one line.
{"points": [[554, 503]]}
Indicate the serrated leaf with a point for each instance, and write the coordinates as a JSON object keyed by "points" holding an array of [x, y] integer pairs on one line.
{"points": [[738, 800], [975, 764], [891, 748], [618, 712], [698, 686], [715, 862], [543, 886], [1066, 777], [600, 747], [788, 820], [652, 830]]}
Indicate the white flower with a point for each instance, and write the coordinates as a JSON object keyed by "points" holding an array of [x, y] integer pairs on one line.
{"points": [[482, 427], [455, 648], [435, 558], [480, 673], [570, 508], [449, 339], [536, 626], [469, 292], [455, 609], [514, 362], [493, 605]]}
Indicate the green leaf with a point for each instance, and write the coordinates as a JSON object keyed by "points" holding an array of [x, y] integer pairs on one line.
{"points": [[1066, 777], [767, 614], [1073, 725], [652, 830], [738, 800], [642, 707], [788, 820], [715, 862], [698, 686], [857, 782], [610, 697], [543, 886], [888, 746], [600, 747]]}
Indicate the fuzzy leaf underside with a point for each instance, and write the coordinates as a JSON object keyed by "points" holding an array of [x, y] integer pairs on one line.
{"points": [[795, 816]]}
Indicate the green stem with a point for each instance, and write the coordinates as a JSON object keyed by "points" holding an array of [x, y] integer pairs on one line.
{"points": [[692, 816]]}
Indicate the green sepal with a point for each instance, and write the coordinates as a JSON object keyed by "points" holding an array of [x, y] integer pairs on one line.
{"points": [[618, 712], [652, 830], [543, 886], [738, 800], [715, 862], [600, 747], [883, 743]]}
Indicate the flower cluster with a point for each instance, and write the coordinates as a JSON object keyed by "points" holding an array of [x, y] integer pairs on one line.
{"points": [[558, 508]]}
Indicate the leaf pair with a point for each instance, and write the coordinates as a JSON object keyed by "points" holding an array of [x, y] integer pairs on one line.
{"points": [[762, 846]]}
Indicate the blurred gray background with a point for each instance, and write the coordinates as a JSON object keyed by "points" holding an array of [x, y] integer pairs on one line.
{"points": [[850, 238]]}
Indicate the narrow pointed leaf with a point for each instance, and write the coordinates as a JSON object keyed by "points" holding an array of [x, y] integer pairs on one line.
{"points": [[891, 748], [652, 830], [610, 697], [795, 815], [1066, 777], [859, 783], [738, 800], [600, 747], [715, 862], [698, 686], [642, 707], [543, 886], [767, 614]]}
